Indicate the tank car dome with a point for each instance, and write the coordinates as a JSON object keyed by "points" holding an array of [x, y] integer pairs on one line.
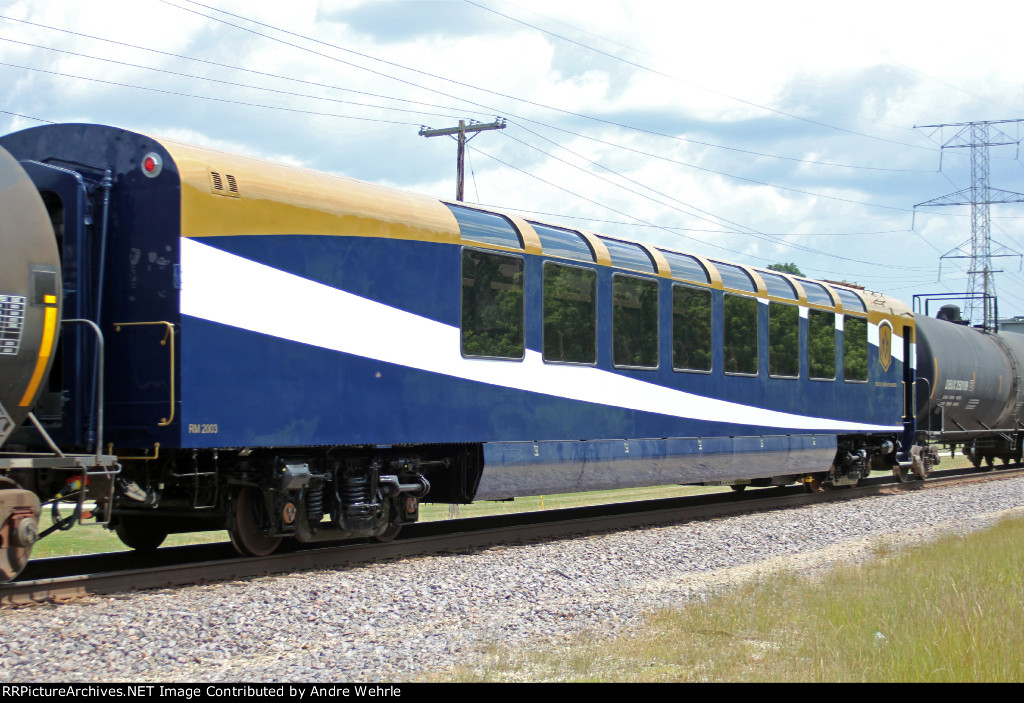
{"points": [[30, 294]]}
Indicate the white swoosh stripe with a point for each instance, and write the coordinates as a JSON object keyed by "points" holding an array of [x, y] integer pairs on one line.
{"points": [[231, 290]]}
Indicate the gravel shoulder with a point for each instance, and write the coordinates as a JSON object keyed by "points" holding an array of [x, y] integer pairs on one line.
{"points": [[406, 619]]}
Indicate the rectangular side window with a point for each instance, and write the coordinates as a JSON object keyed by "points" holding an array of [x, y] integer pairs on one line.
{"points": [[783, 340], [570, 314], [691, 329], [634, 321], [821, 344], [492, 305], [739, 346], [855, 348]]}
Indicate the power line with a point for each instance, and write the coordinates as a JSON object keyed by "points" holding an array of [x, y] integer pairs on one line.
{"points": [[221, 65], [317, 41], [633, 49], [232, 83], [670, 231], [223, 82], [490, 109], [722, 173], [204, 97], [381, 107], [694, 85], [27, 117], [594, 175]]}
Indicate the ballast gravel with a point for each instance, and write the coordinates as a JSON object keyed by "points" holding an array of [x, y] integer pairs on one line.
{"points": [[408, 619]]}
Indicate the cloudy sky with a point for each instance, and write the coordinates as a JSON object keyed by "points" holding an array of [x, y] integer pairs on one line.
{"points": [[752, 132]]}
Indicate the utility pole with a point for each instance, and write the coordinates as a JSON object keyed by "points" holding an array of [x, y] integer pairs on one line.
{"points": [[980, 280], [499, 123]]}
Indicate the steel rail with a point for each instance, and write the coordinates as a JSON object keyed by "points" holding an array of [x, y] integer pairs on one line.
{"points": [[439, 537]]}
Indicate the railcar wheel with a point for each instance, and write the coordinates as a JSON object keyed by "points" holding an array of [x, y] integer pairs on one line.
{"points": [[738, 487], [139, 533], [14, 560], [19, 527], [389, 534], [900, 473], [244, 529], [814, 484]]}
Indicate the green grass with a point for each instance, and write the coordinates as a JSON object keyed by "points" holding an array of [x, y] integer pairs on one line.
{"points": [[432, 511], [949, 611], [92, 539]]}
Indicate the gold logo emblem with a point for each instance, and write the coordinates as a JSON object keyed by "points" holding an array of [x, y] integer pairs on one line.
{"points": [[885, 345]]}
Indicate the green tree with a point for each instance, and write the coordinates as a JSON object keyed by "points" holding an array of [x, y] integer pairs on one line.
{"points": [[789, 268]]}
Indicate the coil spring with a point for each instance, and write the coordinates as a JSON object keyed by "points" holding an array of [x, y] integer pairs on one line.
{"points": [[357, 494], [315, 503]]}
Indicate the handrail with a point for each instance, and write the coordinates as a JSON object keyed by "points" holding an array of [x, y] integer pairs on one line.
{"points": [[100, 364], [168, 334], [156, 453]]}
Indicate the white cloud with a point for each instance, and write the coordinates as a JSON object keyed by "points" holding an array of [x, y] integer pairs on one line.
{"points": [[877, 69]]}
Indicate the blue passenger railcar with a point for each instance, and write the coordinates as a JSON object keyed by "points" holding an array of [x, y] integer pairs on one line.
{"points": [[291, 353]]}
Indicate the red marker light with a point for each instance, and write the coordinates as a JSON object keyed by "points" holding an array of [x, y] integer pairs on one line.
{"points": [[152, 164]]}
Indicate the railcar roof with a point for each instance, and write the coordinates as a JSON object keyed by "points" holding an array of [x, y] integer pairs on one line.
{"points": [[225, 194]]}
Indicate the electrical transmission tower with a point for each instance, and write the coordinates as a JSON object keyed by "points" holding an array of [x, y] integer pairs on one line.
{"points": [[978, 137]]}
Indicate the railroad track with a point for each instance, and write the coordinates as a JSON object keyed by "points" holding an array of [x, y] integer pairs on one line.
{"points": [[66, 578]]}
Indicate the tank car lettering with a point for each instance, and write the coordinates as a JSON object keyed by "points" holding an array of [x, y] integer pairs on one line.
{"points": [[954, 384], [203, 428], [12, 321]]}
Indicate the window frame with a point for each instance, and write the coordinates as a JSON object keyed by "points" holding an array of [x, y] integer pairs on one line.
{"points": [[867, 349], [799, 365], [810, 366], [543, 280], [462, 291], [711, 327], [657, 321], [757, 341]]}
